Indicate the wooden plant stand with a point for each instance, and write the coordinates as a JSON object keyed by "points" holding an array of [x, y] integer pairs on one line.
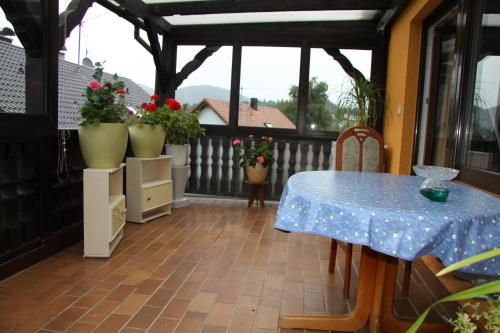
{"points": [[256, 192]]}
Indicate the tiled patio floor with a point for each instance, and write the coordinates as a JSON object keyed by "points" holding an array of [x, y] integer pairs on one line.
{"points": [[214, 266]]}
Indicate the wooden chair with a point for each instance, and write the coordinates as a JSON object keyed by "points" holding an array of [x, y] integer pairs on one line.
{"points": [[359, 148]]}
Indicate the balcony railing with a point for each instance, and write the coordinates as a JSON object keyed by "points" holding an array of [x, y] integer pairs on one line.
{"points": [[215, 171]]}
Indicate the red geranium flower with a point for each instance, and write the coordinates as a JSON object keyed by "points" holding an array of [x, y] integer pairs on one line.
{"points": [[236, 142], [173, 104], [94, 85], [151, 107], [155, 97], [261, 159], [120, 91]]}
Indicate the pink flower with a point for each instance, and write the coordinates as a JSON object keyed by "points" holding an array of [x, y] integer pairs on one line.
{"points": [[236, 142], [250, 137], [269, 139], [130, 113], [143, 105], [94, 85], [261, 160], [120, 92]]}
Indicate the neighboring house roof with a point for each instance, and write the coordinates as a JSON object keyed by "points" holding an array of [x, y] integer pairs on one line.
{"points": [[73, 79], [247, 115]]}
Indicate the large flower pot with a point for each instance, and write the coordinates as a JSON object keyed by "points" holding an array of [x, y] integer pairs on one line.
{"points": [[103, 145], [256, 174], [179, 154], [146, 140]]}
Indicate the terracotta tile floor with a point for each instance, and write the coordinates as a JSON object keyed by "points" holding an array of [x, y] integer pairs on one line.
{"points": [[212, 267]]}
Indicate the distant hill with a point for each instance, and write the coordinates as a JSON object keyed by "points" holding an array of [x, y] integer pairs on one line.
{"points": [[194, 94]]}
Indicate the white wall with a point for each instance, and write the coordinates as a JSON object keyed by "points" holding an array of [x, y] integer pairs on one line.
{"points": [[209, 117]]}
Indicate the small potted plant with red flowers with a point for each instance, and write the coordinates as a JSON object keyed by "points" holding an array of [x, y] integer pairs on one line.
{"points": [[102, 132], [181, 126], [147, 128], [256, 157]]}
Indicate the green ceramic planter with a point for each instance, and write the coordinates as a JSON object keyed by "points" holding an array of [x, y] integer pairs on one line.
{"points": [[103, 145], [147, 140]]}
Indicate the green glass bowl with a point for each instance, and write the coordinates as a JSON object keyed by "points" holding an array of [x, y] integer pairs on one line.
{"points": [[435, 194]]}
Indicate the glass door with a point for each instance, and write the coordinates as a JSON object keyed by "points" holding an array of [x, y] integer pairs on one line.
{"points": [[435, 146]]}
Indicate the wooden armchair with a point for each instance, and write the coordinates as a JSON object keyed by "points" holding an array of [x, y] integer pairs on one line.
{"points": [[359, 148]]}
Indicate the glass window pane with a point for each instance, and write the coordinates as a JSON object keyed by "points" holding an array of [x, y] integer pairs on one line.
{"points": [[484, 146], [269, 87], [208, 88], [13, 72], [327, 82], [106, 38]]}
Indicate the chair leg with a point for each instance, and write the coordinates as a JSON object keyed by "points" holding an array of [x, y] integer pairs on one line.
{"points": [[347, 275], [333, 256], [406, 278]]}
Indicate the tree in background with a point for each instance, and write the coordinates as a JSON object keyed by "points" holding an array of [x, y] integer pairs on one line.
{"points": [[322, 113]]}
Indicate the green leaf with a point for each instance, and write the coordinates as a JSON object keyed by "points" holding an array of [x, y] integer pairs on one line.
{"points": [[469, 261], [484, 289]]}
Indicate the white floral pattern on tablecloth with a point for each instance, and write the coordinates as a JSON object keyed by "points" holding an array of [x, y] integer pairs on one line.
{"points": [[387, 213]]}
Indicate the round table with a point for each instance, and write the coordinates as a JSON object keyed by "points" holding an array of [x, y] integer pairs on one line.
{"points": [[388, 216]]}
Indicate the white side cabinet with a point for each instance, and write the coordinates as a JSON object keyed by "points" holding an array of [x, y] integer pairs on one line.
{"points": [[149, 188], [103, 210]]}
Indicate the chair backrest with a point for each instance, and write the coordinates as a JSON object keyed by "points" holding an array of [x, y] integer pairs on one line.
{"points": [[360, 148]]}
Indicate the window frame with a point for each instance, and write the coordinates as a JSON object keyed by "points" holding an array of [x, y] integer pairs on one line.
{"points": [[378, 47]]}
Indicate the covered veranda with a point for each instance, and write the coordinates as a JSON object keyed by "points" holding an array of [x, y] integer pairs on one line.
{"points": [[216, 265]]}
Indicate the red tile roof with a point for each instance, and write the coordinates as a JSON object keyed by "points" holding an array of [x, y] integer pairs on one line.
{"points": [[249, 116]]}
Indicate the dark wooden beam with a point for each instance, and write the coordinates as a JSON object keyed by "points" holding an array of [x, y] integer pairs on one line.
{"points": [[154, 45], [138, 38], [70, 18], [392, 14], [360, 34], [24, 19], [345, 63], [122, 12], [194, 64], [140, 9], [243, 6]]}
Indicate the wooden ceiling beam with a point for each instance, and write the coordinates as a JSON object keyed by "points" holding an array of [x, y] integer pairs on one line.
{"points": [[243, 6], [70, 18], [359, 34], [140, 9], [25, 23], [120, 11], [392, 14]]}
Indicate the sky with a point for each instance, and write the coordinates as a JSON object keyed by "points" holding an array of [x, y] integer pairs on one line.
{"points": [[267, 72]]}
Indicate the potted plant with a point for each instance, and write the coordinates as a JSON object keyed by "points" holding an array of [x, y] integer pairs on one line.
{"points": [[490, 316], [181, 126], [256, 158], [147, 128], [364, 99], [102, 132]]}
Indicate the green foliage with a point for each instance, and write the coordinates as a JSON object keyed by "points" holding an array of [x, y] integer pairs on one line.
{"points": [[364, 100], [256, 151], [181, 126], [492, 315], [105, 102], [463, 323], [322, 114]]}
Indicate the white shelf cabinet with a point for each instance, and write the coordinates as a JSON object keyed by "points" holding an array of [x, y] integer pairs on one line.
{"points": [[104, 210], [149, 188]]}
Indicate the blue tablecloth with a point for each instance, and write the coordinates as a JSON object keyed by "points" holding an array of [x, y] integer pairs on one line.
{"points": [[387, 213]]}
